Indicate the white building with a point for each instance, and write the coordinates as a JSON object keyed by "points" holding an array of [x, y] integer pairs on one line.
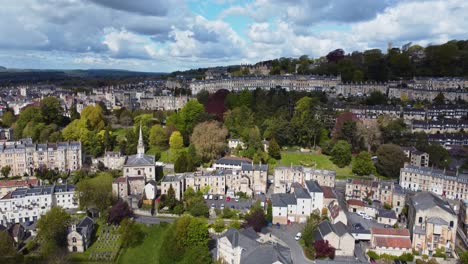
{"points": [[28, 204], [285, 176], [140, 164]]}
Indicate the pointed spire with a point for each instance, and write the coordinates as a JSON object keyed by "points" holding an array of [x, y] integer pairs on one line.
{"points": [[141, 145]]}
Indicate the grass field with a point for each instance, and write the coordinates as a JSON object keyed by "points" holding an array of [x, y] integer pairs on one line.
{"points": [[167, 156], [318, 161], [148, 250]]}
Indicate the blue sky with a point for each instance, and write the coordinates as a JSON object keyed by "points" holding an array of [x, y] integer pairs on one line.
{"points": [[168, 35]]}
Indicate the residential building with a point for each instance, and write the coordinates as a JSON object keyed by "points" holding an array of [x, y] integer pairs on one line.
{"points": [[245, 246], [230, 163], [79, 236], [28, 204], [463, 216], [285, 176], [439, 126], [416, 157], [258, 176], [233, 143], [112, 160], [123, 187], [23, 156], [386, 217], [432, 223], [7, 186], [212, 183], [337, 236], [177, 182], [358, 206], [449, 140], [390, 241], [398, 199], [6, 134], [453, 185], [151, 190], [328, 196], [336, 214]]}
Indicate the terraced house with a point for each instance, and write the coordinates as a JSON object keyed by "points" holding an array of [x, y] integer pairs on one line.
{"points": [[23, 156]]}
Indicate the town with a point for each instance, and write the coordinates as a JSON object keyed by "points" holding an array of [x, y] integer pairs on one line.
{"points": [[234, 132]]}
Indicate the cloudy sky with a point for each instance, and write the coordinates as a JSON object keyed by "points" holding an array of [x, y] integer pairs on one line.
{"points": [[167, 35]]}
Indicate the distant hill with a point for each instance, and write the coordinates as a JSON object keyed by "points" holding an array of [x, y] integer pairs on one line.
{"points": [[11, 76]]}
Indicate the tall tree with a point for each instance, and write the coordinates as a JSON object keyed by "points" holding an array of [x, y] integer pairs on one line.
{"points": [[209, 139], [7, 245], [363, 164], [176, 142], [5, 171], [51, 110], [341, 153], [52, 230], [96, 192], [158, 137], [390, 159]]}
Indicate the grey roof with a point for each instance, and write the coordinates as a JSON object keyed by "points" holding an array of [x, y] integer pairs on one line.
{"points": [[340, 228], [300, 192], [426, 200], [387, 213], [313, 186], [437, 220], [419, 230], [325, 228], [85, 222], [282, 199], [233, 161], [41, 190], [239, 239], [255, 167], [267, 254], [140, 160]]}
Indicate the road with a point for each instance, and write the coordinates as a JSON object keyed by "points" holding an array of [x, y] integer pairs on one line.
{"points": [[287, 233]]}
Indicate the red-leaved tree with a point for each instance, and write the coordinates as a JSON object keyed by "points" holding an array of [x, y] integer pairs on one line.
{"points": [[323, 249], [118, 212]]}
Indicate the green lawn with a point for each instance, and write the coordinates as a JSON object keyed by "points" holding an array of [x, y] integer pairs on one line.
{"points": [[148, 250], [167, 156], [318, 161]]}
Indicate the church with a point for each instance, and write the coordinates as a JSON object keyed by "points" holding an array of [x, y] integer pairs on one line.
{"points": [[140, 164]]}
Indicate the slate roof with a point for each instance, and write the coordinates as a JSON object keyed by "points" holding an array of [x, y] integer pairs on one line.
{"points": [[282, 199], [437, 220], [426, 200], [139, 160], [230, 160], [255, 167], [328, 192], [387, 213], [313, 186], [300, 192], [325, 228]]}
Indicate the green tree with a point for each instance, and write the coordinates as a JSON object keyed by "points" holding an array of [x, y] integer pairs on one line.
{"points": [[51, 110], [52, 230], [8, 119], [31, 116], [269, 216], [341, 153], [309, 229], [219, 225], [158, 137], [438, 155], [203, 97], [93, 117], [209, 139], [439, 99], [96, 192], [363, 164], [274, 150], [390, 159], [5, 171], [238, 121], [176, 142], [130, 232], [464, 257], [7, 248], [74, 112], [184, 163]]}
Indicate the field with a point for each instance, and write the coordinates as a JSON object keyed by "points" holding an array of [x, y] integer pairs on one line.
{"points": [[318, 161], [148, 250]]}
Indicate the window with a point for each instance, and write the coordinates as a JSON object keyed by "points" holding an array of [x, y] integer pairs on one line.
{"points": [[74, 239], [420, 220], [451, 223]]}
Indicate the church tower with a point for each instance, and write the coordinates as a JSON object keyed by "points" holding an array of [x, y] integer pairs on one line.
{"points": [[141, 145]]}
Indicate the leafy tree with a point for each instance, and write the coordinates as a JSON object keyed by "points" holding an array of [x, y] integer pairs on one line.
{"points": [[119, 212], [7, 245], [44, 173], [219, 225], [209, 139], [125, 118], [238, 121], [74, 112], [93, 117], [274, 150], [203, 97], [52, 230], [363, 164], [51, 110], [197, 255], [256, 218], [5, 171], [158, 137], [439, 99], [438, 155], [390, 159], [130, 233], [370, 133], [309, 229], [341, 153], [8, 119], [269, 216], [31, 116], [176, 142], [323, 249], [184, 163], [464, 257], [171, 201], [96, 192]]}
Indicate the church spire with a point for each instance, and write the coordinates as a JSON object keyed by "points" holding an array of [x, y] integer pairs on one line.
{"points": [[141, 145]]}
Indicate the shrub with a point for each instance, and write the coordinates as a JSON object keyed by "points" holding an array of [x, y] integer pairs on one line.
{"points": [[373, 254], [408, 257]]}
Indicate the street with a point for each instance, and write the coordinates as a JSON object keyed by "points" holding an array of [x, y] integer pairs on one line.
{"points": [[287, 233]]}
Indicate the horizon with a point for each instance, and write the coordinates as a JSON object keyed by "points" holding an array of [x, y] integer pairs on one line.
{"points": [[166, 36]]}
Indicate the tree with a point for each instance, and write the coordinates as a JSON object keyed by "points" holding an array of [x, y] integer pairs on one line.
{"points": [[209, 139], [438, 155], [125, 118], [323, 249], [8, 119], [6, 171], [341, 153], [184, 163], [119, 212], [390, 159], [464, 257], [176, 142], [158, 137], [219, 225], [256, 218], [274, 150], [51, 110], [52, 230], [376, 98], [203, 97], [7, 245], [96, 192], [363, 164], [439, 99], [309, 229], [93, 117], [269, 216], [74, 112], [131, 234], [370, 132]]}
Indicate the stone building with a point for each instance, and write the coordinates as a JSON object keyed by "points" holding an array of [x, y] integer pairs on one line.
{"points": [[24, 156], [79, 236], [390, 241], [140, 164], [416, 157], [337, 236], [285, 176], [432, 223]]}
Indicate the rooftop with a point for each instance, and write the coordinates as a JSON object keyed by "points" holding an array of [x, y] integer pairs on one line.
{"points": [[393, 242], [389, 232]]}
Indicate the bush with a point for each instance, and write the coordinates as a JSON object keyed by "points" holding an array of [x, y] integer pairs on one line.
{"points": [[372, 254], [235, 224], [408, 257], [219, 225], [425, 256]]}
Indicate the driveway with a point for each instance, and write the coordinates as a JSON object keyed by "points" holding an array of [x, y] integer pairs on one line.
{"points": [[287, 233]]}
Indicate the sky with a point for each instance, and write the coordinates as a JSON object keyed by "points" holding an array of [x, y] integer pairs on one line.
{"points": [[169, 35]]}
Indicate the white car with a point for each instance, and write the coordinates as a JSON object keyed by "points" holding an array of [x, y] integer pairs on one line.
{"points": [[361, 214], [298, 236], [213, 206], [368, 217], [205, 197], [222, 206]]}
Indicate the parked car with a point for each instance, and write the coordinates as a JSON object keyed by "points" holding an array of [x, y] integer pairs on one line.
{"points": [[210, 197], [213, 206], [388, 226], [221, 197], [228, 199], [205, 196], [222, 206], [367, 217], [233, 207], [298, 236], [361, 214], [397, 261], [358, 226], [215, 197], [237, 199]]}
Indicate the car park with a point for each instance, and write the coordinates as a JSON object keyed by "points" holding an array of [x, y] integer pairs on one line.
{"points": [[298, 236]]}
